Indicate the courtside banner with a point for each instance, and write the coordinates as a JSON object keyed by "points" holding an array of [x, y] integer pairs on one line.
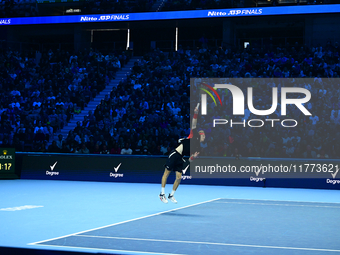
{"points": [[80, 167], [295, 121], [147, 169], [91, 167], [171, 15]]}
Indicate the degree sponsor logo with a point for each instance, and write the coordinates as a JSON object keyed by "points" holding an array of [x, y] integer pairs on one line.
{"points": [[115, 175], [116, 168], [52, 172], [186, 177], [256, 179], [333, 182], [53, 166]]}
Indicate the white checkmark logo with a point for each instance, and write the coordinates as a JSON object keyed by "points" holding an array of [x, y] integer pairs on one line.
{"points": [[116, 168], [185, 169], [335, 173], [52, 167]]}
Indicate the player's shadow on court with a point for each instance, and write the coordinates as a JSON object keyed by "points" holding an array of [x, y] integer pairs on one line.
{"points": [[182, 214]]}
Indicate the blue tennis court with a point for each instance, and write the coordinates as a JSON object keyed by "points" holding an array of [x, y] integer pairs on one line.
{"points": [[125, 218]]}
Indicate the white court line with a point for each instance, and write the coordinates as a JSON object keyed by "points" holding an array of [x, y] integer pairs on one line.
{"points": [[155, 214], [111, 250], [20, 208], [315, 202], [208, 243], [242, 203]]}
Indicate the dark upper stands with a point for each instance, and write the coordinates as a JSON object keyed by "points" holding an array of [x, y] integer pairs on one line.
{"points": [[31, 8], [178, 5]]}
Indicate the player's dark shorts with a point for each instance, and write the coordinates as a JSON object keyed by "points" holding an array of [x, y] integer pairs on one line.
{"points": [[174, 162]]}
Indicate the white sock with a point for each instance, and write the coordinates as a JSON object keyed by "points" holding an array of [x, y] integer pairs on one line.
{"points": [[172, 192], [162, 192]]}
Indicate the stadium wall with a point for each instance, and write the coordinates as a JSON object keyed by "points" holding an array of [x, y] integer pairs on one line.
{"points": [[311, 30], [322, 28], [144, 169]]}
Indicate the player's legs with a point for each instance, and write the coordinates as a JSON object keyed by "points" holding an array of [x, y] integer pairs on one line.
{"points": [[178, 180], [173, 163], [175, 186], [165, 177]]}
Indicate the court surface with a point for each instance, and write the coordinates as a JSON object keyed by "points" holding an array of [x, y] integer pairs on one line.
{"points": [[123, 218]]}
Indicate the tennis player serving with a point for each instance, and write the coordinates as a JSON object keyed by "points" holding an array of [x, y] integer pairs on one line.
{"points": [[175, 159]]}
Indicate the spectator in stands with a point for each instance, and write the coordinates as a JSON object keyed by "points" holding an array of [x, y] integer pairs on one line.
{"points": [[60, 141], [104, 150], [96, 149], [83, 149], [38, 127], [126, 150], [65, 149], [53, 147], [115, 149], [309, 153], [335, 118]]}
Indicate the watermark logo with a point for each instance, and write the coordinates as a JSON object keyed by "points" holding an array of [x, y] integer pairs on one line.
{"points": [[204, 97], [238, 100], [238, 105]]}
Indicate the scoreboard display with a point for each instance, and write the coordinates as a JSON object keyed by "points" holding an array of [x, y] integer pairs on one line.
{"points": [[7, 163]]}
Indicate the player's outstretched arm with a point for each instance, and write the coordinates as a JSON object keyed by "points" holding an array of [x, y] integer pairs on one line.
{"points": [[193, 156], [194, 120]]}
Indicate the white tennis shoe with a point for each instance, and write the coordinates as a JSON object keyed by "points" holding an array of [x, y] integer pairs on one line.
{"points": [[172, 199], [163, 198]]}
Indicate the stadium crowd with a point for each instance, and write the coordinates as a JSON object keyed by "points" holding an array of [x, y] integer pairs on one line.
{"points": [[39, 96], [148, 112]]}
